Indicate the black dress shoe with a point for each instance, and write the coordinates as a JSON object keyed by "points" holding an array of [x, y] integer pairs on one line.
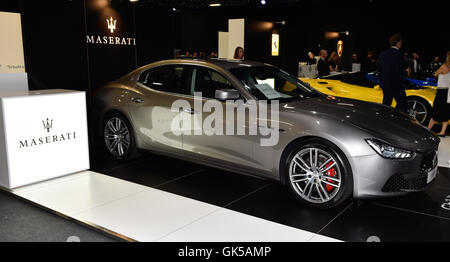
{"points": [[441, 135]]}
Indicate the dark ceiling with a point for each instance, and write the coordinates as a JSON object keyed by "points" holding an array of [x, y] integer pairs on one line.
{"points": [[197, 4]]}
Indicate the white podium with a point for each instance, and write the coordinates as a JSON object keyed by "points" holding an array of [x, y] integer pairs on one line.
{"points": [[307, 71], [43, 135], [13, 82]]}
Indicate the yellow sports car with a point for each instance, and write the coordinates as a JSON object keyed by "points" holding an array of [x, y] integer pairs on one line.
{"points": [[357, 86]]}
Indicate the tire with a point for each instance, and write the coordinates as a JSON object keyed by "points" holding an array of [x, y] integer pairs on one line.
{"points": [[118, 136], [419, 109], [311, 187]]}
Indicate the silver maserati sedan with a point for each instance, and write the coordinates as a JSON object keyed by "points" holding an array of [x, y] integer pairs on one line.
{"points": [[325, 149]]}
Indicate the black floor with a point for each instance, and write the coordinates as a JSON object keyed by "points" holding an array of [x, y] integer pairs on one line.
{"points": [[24, 222], [416, 217]]}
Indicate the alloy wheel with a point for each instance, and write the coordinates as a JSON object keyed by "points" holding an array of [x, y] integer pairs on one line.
{"points": [[315, 175], [417, 110], [117, 136]]}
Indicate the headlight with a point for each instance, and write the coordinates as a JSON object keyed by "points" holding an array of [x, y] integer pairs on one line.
{"points": [[388, 151]]}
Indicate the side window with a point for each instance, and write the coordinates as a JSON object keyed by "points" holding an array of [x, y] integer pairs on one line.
{"points": [[170, 78], [157, 78], [208, 81]]}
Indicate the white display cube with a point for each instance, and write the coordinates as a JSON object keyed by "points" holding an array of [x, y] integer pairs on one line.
{"points": [[307, 71], [43, 135]]}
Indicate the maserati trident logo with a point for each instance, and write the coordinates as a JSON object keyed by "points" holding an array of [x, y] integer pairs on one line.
{"points": [[110, 40], [47, 125], [111, 24], [49, 138]]}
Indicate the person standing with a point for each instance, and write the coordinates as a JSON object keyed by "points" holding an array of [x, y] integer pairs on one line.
{"points": [[311, 59], [355, 58], [408, 63], [436, 64], [323, 67], [333, 61], [239, 53], [441, 108], [369, 65], [415, 63], [391, 65]]}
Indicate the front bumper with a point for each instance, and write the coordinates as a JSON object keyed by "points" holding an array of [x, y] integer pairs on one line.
{"points": [[375, 176]]}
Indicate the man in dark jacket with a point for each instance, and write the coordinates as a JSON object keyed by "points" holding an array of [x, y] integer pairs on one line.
{"points": [[369, 64], [323, 67], [391, 65]]}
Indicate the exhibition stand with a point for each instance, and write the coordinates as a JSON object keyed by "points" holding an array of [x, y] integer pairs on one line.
{"points": [[44, 158], [43, 135]]}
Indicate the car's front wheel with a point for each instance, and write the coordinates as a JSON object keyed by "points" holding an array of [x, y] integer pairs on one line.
{"points": [[118, 136], [419, 109], [317, 174]]}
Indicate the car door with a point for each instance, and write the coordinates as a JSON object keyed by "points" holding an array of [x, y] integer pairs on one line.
{"points": [[231, 147], [150, 107]]}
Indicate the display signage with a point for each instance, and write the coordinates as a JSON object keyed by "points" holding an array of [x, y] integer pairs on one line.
{"points": [[340, 47], [11, 47], [111, 26], [45, 136], [275, 44]]}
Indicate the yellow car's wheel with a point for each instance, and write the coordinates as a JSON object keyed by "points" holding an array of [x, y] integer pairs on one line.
{"points": [[419, 109]]}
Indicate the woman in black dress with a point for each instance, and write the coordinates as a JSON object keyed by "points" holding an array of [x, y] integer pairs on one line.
{"points": [[441, 107]]}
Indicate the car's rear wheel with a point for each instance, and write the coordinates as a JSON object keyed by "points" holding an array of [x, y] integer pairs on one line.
{"points": [[318, 175], [118, 136], [419, 109]]}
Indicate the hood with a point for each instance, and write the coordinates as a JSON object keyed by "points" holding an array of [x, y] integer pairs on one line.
{"points": [[379, 121]]}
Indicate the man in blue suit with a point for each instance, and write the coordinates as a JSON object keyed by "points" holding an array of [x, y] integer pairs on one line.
{"points": [[391, 66]]}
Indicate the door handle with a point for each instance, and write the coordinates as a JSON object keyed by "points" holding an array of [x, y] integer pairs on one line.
{"points": [[137, 100], [189, 111]]}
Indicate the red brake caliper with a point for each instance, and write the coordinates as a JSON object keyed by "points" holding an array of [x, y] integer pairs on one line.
{"points": [[332, 173]]}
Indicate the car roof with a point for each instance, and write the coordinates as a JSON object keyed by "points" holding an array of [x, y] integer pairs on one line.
{"points": [[221, 62], [233, 63]]}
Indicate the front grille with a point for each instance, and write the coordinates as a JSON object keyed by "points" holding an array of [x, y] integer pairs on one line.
{"points": [[398, 182]]}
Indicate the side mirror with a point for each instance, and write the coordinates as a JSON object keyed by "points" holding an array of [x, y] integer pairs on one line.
{"points": [[376, 87], [226, 94]]}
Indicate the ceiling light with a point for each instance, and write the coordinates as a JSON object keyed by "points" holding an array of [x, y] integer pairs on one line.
{"points": [[215, 4], [263, 2], [134, 1]]}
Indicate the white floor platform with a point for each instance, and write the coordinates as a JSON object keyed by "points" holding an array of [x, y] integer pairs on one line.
{"points": [[141, 213], [444, 152]]}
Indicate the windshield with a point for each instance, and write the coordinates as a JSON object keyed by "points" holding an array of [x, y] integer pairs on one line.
{"points": [[269, 83]]}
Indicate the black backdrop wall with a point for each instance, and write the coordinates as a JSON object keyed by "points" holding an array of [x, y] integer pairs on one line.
{"points": [[56, 51], [57, 54], [370, 24]]}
